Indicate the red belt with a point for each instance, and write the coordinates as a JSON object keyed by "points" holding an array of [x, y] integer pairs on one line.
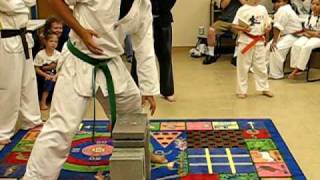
{"points": [[254, 41]]}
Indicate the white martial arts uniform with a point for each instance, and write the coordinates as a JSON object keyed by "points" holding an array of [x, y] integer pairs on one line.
{"points": [[302, 48], [303, 6], [288, 22], [74, 85], [257, 17], [18, 86]]}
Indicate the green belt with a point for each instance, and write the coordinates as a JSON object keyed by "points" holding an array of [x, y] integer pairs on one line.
{"points": [[101, 64]]}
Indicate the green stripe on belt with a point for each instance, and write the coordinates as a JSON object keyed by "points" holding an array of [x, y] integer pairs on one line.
{"points": [[101, 64]]}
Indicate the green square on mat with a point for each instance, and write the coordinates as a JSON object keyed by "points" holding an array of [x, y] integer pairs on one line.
{"points": [[260, 144], [242, 176], [154, 126]]}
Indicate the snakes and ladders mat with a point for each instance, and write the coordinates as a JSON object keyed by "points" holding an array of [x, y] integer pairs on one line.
{"points": [[196, 149]]}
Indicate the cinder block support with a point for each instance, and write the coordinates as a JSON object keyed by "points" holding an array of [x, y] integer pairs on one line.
{"points": [[127, 163], [131, 132]]}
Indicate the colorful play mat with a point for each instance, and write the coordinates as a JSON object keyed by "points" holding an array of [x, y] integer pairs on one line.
{"points": [[197, 149]]}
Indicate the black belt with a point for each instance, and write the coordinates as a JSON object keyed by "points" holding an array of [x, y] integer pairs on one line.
{"points": [[7, 33]]}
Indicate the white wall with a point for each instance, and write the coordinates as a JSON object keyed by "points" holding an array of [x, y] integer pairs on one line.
{"points": [[188, 16]]}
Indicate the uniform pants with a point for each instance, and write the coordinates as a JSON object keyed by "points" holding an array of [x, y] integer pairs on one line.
{"points": [[18, 92], [67, 111], [254, 58], [277, 57], [301, 51]]}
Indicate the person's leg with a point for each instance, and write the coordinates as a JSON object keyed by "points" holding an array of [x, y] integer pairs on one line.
{"points": [[163, 50], [128, 102], [244, 62], [43, 101], [218, 27], [11, 73], [260, 70], [296, 55], [278, 56], [29, 105], [306, 52], [53, 143]]}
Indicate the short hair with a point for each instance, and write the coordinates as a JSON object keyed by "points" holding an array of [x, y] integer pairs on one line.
{"points": [[50, 20], [48, 34]]}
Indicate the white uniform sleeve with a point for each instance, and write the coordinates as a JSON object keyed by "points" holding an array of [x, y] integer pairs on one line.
{"points": [[11, 6], [143, 46], [38, 60], [30, 3], [281, 19]]}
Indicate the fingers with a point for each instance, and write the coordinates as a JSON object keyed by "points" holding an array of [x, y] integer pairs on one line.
{"points": [[151, 101], [94, 48]]}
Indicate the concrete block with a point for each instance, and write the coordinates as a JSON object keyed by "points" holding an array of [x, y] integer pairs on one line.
{"points": [[128, 163], [130, 126]]}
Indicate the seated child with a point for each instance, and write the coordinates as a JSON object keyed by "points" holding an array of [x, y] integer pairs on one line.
{"points": [[45, 64], [310, 39], [252, 22]]}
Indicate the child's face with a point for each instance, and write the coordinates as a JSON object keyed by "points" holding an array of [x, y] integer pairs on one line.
{"points": [[278, 4], [315, 7], [52, 42], [57, 28]]}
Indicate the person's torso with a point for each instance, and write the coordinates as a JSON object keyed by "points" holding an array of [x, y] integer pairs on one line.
{"points": [[44, 59], [256, 17], [312, 23], [103, 17], [230, 11], [293, 23]]}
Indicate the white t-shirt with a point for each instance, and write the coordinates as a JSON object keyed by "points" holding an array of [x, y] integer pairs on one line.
{"points": [[256, 17], [286, 20], [313, 23], [42, 58]]}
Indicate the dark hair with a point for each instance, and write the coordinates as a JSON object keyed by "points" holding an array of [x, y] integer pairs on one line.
{"points": [[50, 20], [47, 35]]}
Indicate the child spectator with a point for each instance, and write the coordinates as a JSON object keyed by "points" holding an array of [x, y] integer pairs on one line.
{"points": [[286, 29], [310, 39], [253, 22], [45, 64]]}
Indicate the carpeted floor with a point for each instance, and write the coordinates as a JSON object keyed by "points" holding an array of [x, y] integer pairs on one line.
{"points": [[196, 149]]}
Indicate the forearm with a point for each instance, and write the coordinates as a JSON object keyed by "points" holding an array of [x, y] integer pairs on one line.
{"points": [[62, 9], [40, 72], [237, 28], [276, 34]]}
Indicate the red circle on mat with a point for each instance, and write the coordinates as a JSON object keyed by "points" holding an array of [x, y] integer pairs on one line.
{"points": [[97, 150]]}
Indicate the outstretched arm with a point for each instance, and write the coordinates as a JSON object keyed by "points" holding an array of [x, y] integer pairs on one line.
{"points": [[62, 9]]}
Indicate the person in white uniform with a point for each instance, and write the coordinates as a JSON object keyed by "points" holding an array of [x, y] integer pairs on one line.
{"points": [[286, 29], [253, 22], [302, 48], [96, 38], [18, 96]]}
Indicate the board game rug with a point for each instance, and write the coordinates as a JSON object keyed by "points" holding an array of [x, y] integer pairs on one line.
{"points": [[196, 149]]}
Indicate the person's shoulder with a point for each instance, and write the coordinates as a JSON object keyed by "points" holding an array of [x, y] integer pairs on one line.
{"points": [[41, 53], [262, 8], [56, 52]]}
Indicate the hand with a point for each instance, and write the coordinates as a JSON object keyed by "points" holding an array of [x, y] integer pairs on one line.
{"points": [[268, 29], [152, 101], [246, 29], [47, 77], [87, 38], [54, 78], [273, 46]]}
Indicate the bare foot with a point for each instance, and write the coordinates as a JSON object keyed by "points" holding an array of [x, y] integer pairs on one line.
{"points": [[43, 107], [291, 76], [267, 93], [100, 176], [170, 98], [242, 96], [5, 142], [158, 159]]}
